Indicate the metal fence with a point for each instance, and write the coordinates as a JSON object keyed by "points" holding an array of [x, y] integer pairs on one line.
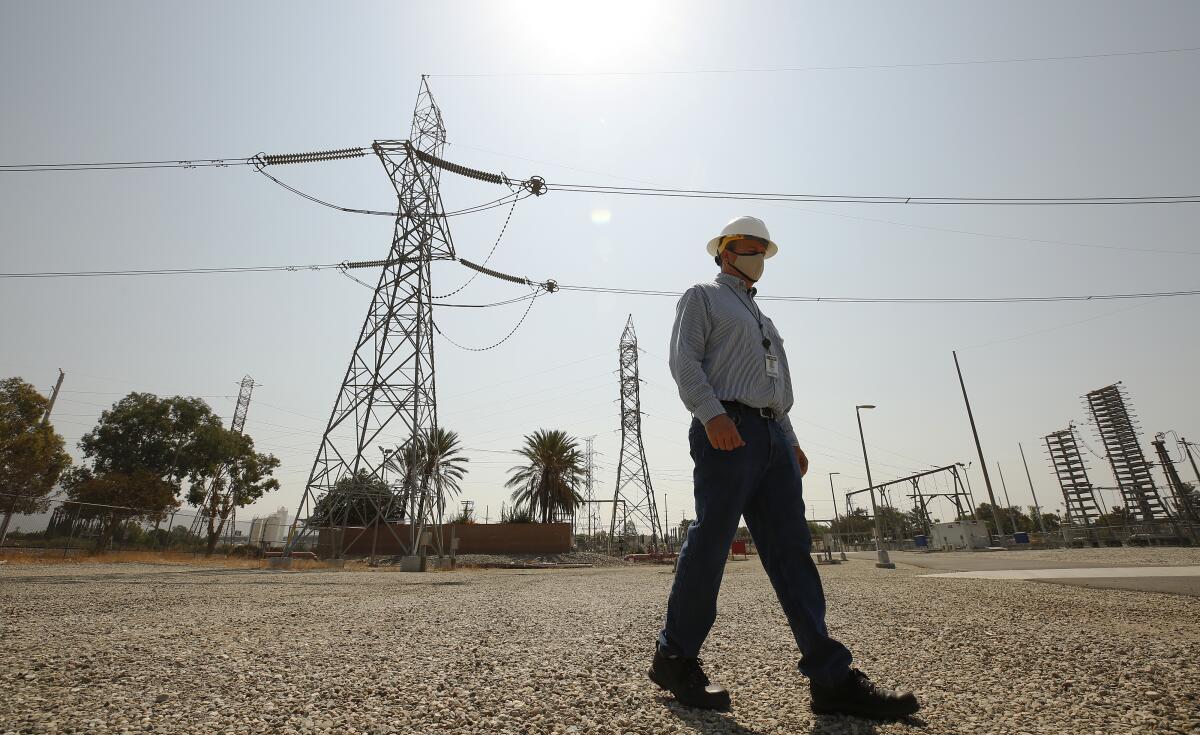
{"points": [[71, 527]]}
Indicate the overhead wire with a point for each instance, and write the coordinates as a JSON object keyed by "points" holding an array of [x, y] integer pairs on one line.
{"points": [[532, 299], [618, 291], [515, 197], [537, 186], [873, 199], [844, 67], [901, 300], [496, 244], [125, 165]]}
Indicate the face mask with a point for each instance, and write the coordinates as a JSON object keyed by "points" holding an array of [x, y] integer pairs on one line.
{"points": [[750, 266]]}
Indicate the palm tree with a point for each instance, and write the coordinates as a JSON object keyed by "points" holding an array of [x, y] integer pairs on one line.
{"points": [[545, 486], [434, 461]]}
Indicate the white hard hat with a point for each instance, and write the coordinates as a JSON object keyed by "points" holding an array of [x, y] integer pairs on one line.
{"points": [[751, 227]]}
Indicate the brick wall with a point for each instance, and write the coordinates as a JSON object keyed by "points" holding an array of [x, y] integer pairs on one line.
{"points": [[473, 538]]}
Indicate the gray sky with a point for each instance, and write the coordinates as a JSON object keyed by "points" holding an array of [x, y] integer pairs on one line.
{"points": [[146, 81]]}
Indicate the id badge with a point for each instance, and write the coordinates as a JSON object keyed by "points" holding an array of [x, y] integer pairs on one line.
{"points": [[772, 366]]}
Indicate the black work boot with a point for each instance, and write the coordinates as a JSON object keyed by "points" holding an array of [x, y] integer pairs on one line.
{"points": [[684, 677], [858, 696]]}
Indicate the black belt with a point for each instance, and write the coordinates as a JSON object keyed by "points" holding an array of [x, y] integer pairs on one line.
{"points": [[766, 413]]}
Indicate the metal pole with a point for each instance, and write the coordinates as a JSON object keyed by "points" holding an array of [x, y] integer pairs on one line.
{"points": [[978, 447], [1038, 508], [1175, 483], [838, 518], [1004, 485], [882, 560], [53, 396], [1187, 448]]}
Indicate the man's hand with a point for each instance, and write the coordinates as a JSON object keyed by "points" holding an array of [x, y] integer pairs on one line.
{"points": [[802, 458], [723, 433]]}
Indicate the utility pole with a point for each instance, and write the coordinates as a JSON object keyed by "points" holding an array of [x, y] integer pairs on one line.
{"points": [[1175, 483], [667, 527], [836, 517], [978, 447], [1004, 486], [881, 556], [1036, 507], [1187, 447], [53, 397]]}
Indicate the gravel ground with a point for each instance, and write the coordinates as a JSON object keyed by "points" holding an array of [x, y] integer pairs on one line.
{"points": [[497, 560], [140, 648]]}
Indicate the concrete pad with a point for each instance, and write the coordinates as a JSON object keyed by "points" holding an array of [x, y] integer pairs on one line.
{"points": [[1189, 586], [1074, 573], [1184, 580]]}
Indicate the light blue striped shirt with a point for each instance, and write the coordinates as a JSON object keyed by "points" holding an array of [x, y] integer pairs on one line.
{"points": [[717, 352]]}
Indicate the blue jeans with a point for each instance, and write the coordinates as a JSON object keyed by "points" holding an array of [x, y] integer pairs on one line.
{"points": [[761, 482]]}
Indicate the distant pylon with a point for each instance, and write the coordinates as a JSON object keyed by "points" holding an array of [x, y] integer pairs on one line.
{"points": [[388, 396], [236, 426], [589, 481], [633, 492]]}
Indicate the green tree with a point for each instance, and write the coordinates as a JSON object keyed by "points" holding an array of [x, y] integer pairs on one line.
{"points": [[140, 452], [516, 514], [855, 525], [435, 461], [353, 501], [236, 475], [546, 484], [32, 457]]}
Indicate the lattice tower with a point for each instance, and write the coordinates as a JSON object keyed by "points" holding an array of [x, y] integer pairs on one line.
{"points": [[1067, 462], [236, 425], [633, 490], [388, 394], [589, 481], [1117, 427]]}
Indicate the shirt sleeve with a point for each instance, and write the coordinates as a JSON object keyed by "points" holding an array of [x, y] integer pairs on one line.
{"points": [[786, 424], [688, 339]]}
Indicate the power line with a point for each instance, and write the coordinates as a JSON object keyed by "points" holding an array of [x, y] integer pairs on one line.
{"points": [[171, 271], [514, 197], [846, 67], [887, 300], [532, 298], [535, 186], [618, 291], [125, 165], [874, 220], [874, 199]]}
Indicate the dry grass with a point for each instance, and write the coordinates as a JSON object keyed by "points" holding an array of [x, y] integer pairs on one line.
{"points": [[166, 558]]}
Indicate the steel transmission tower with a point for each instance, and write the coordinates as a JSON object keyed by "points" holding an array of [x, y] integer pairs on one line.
{"points": [[633, 492], [236, 426], [389, 387], [1117, 427], [1079, 496], [589, 481]]}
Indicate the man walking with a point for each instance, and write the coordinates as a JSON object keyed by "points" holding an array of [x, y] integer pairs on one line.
{"points": [[728, 361]]}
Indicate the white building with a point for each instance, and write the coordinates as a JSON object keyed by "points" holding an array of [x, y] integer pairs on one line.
{"points": [[959, 535]]}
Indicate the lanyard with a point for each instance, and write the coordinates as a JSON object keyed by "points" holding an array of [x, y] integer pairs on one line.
{"points": [[756, 314]]}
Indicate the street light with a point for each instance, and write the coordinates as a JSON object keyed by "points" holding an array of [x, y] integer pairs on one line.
{"points": [[882, 561], [833, 495]]}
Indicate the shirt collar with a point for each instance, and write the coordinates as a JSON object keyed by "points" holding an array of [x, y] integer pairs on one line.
{"points": [[736, 283]]}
